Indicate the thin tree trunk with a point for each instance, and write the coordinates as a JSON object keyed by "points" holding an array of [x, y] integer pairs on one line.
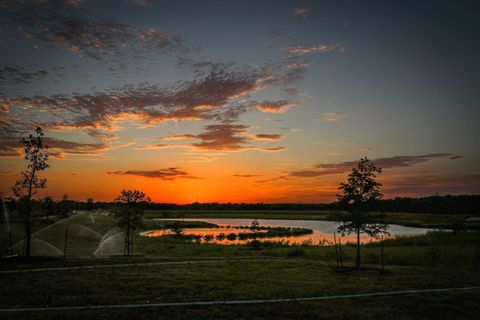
{"points": [[358, 249], [131, 242], [28, 232], [336, 249], [382, 258], [65, 244], [10, 249]]}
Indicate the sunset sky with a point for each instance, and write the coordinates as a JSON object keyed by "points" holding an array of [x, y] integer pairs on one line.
{"points": [[241, 101]]}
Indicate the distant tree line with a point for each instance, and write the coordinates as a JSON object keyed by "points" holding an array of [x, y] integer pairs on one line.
{"points": [[461, 204]]}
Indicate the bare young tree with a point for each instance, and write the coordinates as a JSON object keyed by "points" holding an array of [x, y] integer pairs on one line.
{"points": [[64, 206], [130, 214], [176, 228], [358, 192], [26, 187]]}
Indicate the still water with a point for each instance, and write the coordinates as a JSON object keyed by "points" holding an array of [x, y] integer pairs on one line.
{"points": [[322, 231]]}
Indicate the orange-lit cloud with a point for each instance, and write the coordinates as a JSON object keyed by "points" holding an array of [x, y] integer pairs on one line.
{"points": [[274, 106], [246, 175], [179, 137], [149, 104], [274, 149], [163, 174], [154, 146], [228, 137], [265, 136]]}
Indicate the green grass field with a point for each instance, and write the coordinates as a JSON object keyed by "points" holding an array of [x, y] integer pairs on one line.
{"points": [[157, 273]]}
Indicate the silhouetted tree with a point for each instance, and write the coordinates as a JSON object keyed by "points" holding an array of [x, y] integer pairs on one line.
{"points": [[130, 214], [89, 205], [26, 187], [48, 207], [176, 228], [358, 193], [254, 227], [64, 206]]}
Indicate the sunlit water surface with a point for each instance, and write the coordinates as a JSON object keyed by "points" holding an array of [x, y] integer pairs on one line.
{"points": [[322, 231]]}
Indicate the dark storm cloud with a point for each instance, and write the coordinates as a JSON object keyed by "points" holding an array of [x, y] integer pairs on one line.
{"points": [[163, 174]]}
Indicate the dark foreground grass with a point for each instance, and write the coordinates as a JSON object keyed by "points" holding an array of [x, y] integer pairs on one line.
{"points": [[435, 260], [241, 280], [457, 305]]}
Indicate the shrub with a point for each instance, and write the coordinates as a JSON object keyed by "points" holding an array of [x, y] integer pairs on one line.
{"points": [[254, 244], [232, 236], [296, 252]]}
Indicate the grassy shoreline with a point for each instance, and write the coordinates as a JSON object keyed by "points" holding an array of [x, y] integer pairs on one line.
{"points": [[431, 221]]}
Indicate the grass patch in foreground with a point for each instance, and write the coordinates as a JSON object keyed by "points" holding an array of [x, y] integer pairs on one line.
{"points": [[244, 280]]}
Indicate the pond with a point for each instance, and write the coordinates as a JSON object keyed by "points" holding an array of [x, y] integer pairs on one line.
{"points": [[322, 231]]}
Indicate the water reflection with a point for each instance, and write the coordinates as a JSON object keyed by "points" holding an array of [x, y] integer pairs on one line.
{"points": [[322, 231]]}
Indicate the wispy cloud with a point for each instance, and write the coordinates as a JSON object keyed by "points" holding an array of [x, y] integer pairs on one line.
{"points": [[148, 103], [10, 147], [427, 184], [43, 22], [142, 3], [326, 169], [11, 73], [179, 137], [76, 3], [332, 116], [229, 137], [274, 106], [172, 173], [274, 149], [297, 50], [220, 138], [302, 13], [265, 136], [100, 136], [246, 175], [155, 146]]}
